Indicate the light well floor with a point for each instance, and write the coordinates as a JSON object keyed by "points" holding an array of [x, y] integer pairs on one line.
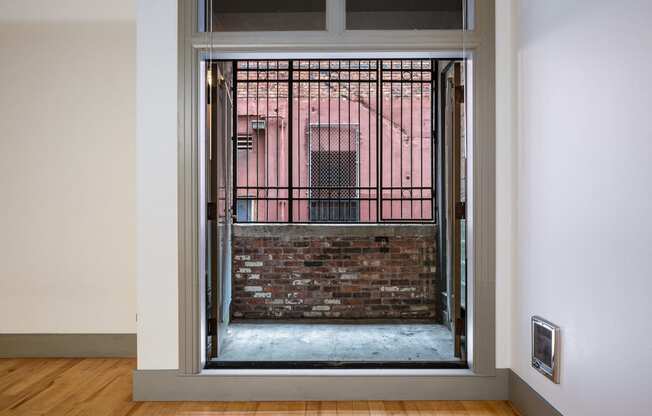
{"points": [[337, 342]]}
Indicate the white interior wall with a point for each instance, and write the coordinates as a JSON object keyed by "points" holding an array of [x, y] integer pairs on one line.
{"points": [[158, 300], [67, 167], [584, 233], [505, 174]]}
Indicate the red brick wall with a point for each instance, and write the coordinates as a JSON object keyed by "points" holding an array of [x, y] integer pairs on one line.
{"points": [[326, 272]]}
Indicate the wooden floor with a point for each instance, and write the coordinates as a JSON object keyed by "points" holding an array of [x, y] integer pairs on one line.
{"points": [[103, 387]]}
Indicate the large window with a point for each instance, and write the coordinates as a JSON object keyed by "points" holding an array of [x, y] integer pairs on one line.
{"points": [[279, 93], [335, 140]]}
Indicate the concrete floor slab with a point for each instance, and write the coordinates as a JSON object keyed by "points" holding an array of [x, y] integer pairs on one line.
{"points": [[337, 342]]}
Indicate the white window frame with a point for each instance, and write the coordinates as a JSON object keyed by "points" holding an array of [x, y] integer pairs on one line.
{"points": [[477, 46]]}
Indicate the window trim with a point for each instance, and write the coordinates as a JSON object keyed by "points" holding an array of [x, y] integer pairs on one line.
{"points": [[477, 45]]}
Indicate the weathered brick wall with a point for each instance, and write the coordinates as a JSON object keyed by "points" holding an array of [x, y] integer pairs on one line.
{"points": [[327, 272]]}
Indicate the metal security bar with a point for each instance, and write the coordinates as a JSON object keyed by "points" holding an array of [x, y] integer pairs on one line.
{"points": [[334, 141]]}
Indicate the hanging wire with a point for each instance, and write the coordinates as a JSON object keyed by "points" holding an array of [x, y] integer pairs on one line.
{"points": [[210, 75], [466, 57], [467, 16], [208, 120]]}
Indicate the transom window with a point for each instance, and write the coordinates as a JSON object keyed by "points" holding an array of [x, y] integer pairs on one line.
{"points": [[310, 15]]}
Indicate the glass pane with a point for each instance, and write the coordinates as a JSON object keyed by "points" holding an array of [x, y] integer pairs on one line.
{"points": [[263, 15], [244, 210], [404, 15]]}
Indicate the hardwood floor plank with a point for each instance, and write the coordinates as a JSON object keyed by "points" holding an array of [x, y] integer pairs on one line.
{"points": [[352, 408], [159, 409], [477, 408], [102, 387], [22, 369], [441, 408], [281, 408], [113, 398], [32, 389], [376, 408], [321, 409], [412, 408], [501, 408], [241, 408]]}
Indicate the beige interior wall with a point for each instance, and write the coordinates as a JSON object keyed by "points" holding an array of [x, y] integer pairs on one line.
{"points": [[67, 167]]}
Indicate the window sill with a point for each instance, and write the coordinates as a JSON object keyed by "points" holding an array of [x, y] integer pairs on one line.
{"points": [[340, 373], [326, 230]]}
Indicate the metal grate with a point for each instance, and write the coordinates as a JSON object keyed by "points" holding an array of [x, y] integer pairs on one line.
{"points": [[333, 173], [334, 140], [407, 187]]}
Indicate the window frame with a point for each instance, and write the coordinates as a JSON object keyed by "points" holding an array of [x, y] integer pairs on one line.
{"points": [[476, 45]]}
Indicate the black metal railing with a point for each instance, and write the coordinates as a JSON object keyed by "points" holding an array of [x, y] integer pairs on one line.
{"points": [[334, 141]]}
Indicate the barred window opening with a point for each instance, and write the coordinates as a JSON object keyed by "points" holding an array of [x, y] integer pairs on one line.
{"points": [[334, 141]]}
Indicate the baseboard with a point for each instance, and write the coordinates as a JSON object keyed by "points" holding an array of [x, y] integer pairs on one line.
{"points": [[67, 345], [169, 385], [526, 401]]}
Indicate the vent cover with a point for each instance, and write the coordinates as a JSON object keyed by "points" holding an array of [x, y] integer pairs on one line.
{"points": [[244, 143]]}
